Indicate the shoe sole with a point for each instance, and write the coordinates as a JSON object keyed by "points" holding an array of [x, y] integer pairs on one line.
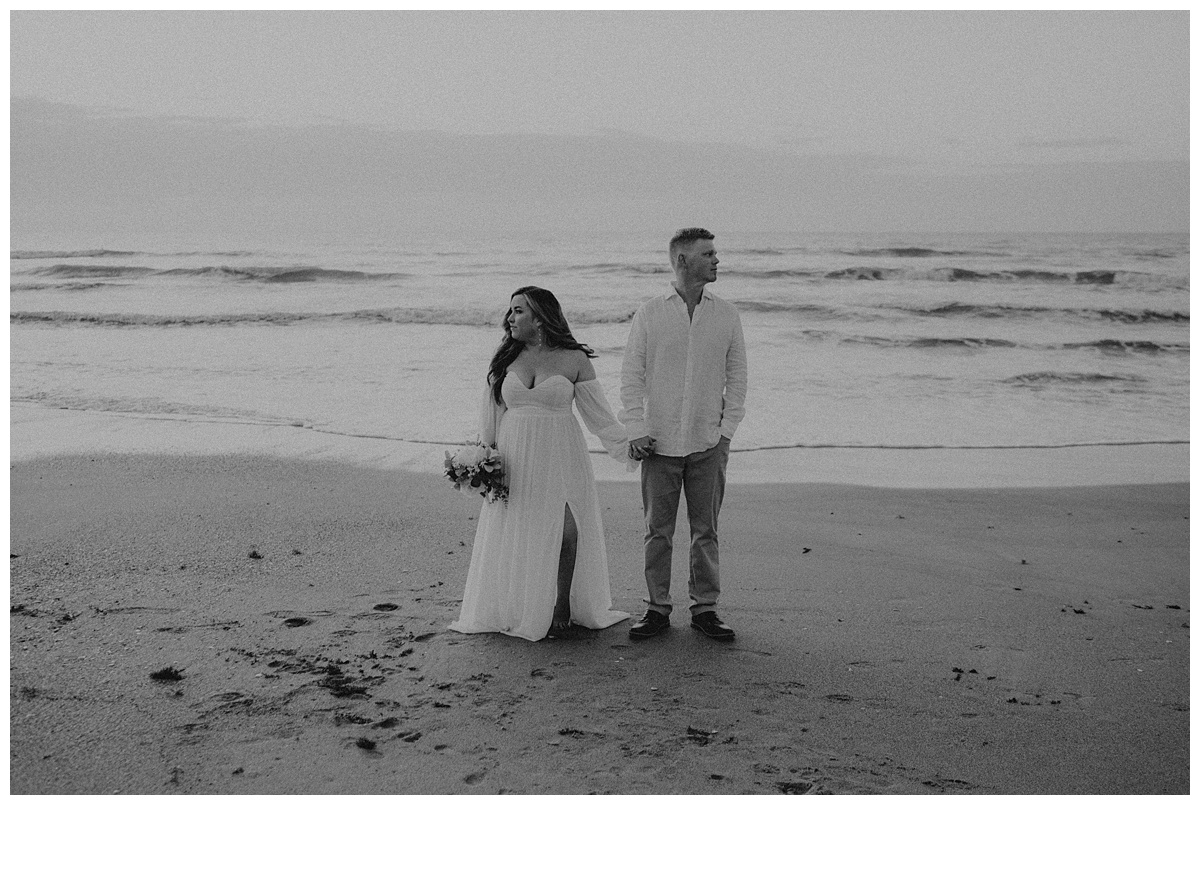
{"points": [[718, 637]]}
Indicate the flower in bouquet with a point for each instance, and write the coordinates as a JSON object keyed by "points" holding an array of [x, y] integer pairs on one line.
{"points": [[477, 467]]}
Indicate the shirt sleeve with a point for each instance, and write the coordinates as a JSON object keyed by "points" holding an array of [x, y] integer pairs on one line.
{"points": [[594, 409], [633, 379], [490, 413], [736, 382]]}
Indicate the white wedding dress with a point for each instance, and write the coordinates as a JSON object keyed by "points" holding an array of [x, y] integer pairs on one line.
{"points": [[513, 580]]}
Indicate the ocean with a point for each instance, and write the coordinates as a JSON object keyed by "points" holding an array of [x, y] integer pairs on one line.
{"points": [[376, 353]]}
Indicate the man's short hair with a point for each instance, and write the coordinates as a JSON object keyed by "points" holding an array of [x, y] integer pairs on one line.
{"points": [[685, 237]]}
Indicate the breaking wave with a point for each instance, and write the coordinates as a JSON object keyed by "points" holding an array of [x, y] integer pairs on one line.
{"points": [[1046, 379], [1004, 311], [1111, 345], [979, 311], [399, 315], [249, 274]]}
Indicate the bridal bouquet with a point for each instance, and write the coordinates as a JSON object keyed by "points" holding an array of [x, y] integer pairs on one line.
{"points": [[477, 468]]}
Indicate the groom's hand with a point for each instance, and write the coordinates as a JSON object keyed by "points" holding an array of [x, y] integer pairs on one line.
{"points": [[641, 447]]}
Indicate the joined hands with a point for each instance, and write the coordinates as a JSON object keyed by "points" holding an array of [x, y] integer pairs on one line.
{"points": [[641, 448]]}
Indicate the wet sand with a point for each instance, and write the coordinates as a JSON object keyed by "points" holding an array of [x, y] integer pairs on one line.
{"points": [[237, 625]]}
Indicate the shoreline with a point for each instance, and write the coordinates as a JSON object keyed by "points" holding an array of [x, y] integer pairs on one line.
{"points": [[890, 641], [39, 432]]}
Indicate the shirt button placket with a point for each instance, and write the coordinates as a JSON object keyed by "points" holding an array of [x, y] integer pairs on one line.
{"points": [[685, 414]]}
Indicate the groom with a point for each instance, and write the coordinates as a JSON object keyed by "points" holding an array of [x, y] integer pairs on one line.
{"points": [[683, 389]]}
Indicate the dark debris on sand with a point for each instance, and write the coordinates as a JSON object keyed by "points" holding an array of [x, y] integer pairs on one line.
{"points": [[795, 788], [343, 687]]}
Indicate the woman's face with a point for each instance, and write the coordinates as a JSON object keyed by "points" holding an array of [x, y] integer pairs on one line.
{"points": [[520, 320]]}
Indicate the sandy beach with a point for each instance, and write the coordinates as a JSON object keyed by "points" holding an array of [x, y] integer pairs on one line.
{"points": [[240, 625]]}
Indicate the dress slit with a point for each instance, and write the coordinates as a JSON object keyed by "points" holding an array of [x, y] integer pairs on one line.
{"points": [[512, 583]]}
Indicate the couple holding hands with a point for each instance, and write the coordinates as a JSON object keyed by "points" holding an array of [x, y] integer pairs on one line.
{"points": [[539, 566]]}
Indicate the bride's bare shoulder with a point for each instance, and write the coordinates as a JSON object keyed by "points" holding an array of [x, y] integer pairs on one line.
{"points": [[584, 370]]}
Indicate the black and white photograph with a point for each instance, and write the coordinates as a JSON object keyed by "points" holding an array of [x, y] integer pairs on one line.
{"points": [[619, 402]]}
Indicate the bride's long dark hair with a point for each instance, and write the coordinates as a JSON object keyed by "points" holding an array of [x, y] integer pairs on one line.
{"points": [[555, 331]]}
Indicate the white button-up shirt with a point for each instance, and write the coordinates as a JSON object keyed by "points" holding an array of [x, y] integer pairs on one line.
{"points": [[684, 382]]}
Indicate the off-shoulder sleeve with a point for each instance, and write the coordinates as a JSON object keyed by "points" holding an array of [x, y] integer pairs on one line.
{"points": [[633, 378], [594, 409], [490, 412]]}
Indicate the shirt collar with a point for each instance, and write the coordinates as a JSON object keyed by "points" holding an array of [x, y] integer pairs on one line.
{"points": [[672, 292]]}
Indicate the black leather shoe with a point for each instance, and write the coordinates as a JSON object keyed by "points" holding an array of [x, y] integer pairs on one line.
{"points": [[710, 625], [651, 624]]}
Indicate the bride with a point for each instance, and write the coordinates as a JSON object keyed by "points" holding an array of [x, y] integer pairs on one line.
{"points": [[538, 565]]}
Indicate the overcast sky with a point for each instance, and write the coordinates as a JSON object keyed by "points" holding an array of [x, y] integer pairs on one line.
{"points": [[1092, 100]]}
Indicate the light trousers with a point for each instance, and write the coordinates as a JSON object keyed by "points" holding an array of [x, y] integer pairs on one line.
{"points": [[701, 478]]}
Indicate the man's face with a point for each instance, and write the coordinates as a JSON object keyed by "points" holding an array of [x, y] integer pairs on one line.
{"points": [[699, 259]]}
